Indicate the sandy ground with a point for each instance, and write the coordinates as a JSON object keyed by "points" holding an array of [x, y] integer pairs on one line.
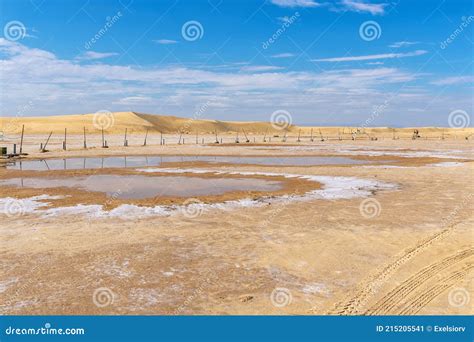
{"points": [[139, 123], [321, 256]]}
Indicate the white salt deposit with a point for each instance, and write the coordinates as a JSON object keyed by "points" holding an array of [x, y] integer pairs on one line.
{"points": [[333, 188]]}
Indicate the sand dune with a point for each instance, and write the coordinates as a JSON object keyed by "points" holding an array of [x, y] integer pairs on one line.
{"points": [[117, 122]]}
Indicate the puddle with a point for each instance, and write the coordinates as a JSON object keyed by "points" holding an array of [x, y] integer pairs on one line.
{"points": [[140, 187], [333, 188], [141, 161]]}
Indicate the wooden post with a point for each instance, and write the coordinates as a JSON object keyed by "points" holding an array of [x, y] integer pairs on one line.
{"points": [[237, 138], [161, 138], [85, 144], [65, 138], [103, 141], [125, 142], [14, 148], [21, 140], [43, 149], [311, 139], [246, 138], [180, 135], [146, 135]]}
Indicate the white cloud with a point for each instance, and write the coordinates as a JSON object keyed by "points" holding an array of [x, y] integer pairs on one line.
{"points": [[92, 55], [133, 100], [397, 45], [361, 6], [59, 86], [283, 55], [296, 3], [371, 57], [260, 68], [165, 41], [454, 80]]}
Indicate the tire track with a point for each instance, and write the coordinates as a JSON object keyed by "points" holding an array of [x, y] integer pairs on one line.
{"points": [[393, 299], [442, 284], [354, 306]]}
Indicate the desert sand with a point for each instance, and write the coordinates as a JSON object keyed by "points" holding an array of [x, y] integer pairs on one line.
{"points": [[117, 122], [318, 256]]}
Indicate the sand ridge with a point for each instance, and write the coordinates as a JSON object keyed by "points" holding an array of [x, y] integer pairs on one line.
{"points": [[117, 122]]}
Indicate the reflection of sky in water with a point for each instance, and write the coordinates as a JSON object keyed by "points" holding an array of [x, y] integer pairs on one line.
{"points": [[140, 161], [137, 186]]}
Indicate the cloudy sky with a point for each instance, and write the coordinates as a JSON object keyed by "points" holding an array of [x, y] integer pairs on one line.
{"points": [[352, 62]]}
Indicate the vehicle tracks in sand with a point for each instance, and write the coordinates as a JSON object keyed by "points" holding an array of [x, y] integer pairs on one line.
{"points": [[422, 299], [356, 304], [392, 302]]}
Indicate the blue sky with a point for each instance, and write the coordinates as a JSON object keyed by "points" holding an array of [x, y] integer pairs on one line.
{"points": [[353, 62]]}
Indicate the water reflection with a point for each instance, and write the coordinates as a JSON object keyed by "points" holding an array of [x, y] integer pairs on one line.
{"points": [[143, 161]]}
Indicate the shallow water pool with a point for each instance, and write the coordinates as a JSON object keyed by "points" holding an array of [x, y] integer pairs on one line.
{"points": [[141, 161], [140, 187]]}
